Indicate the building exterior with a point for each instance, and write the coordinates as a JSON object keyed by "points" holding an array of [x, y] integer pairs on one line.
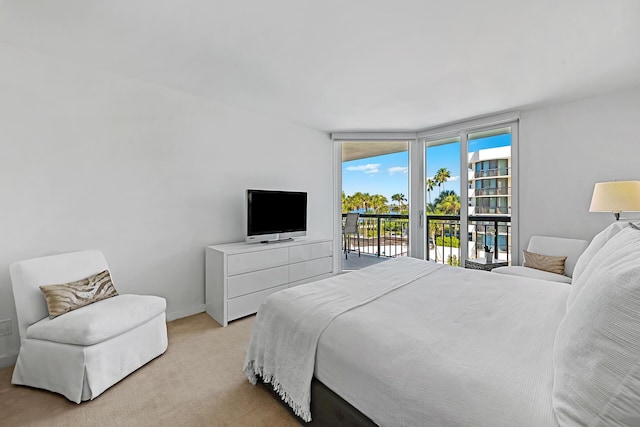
{"points": [[489, 195], [490, 181]]}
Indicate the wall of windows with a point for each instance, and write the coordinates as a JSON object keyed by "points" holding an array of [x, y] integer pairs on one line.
{"points": [[472, 162]]}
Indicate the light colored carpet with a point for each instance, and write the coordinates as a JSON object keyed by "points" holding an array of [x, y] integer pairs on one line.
{"points": [[197, 382]]}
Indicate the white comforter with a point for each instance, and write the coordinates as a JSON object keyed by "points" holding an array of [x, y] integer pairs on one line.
{"points": [[411, 343], [289, 323], [455, 348]]}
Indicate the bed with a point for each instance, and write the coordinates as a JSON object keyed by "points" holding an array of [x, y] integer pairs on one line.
{"points": [[409, 342]]}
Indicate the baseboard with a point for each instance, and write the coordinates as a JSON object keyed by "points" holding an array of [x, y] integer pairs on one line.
{"points": [[185, 313], [6, 361]]}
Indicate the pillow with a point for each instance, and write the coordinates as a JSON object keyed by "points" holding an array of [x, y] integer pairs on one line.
{"points": [[596, 353], [70, 296], [583, 262], [552, 264]]}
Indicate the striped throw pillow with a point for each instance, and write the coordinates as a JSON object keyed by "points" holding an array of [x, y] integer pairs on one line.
{"points": [[64, 298], [552, 264]]}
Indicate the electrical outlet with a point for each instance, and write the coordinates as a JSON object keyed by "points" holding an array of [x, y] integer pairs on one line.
{"points": [[5, 327]]}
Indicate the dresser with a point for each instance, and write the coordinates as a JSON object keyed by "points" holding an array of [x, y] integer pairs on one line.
{"points": [[239, 276]]}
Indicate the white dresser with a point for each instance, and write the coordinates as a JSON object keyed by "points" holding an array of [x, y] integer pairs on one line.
{"points": [[240, 275]]}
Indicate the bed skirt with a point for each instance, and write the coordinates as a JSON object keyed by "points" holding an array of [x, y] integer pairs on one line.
{"points": [[327, 407]]}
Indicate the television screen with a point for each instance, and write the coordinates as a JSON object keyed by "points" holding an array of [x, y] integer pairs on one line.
{"points": [[276, 212]]}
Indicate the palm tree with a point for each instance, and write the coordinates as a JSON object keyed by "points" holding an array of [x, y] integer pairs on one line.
{"points": [[430, 184], [447, 203], [366, 201], [435, 228], [359, 200], [378, 202], [400, 199], [450, 204], [349, 203], [443, 194], [442, 176]]}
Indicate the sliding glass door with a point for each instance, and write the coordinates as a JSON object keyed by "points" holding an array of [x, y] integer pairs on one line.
{"points": [[469, 184], [375, 186], [442, 186], [489, 173]]}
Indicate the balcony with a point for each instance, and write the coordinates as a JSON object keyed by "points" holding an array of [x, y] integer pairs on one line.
{"points": [[383, 236], [492, 191], [490, 173], [486, 210]]}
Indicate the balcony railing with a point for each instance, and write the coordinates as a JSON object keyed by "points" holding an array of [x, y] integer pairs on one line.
{"points": [[493, 231], [382, 235], [500, 210], [493, 191], [492, 172], [387, 235]]}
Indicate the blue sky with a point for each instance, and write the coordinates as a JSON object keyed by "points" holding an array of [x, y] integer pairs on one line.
{"points": [[388, 174]]}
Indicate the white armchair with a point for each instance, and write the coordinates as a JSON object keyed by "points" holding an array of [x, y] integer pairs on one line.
{"points": [[85, 351], [550, 246]]}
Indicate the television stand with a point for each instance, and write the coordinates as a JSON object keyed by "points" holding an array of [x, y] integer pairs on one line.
{"points": [[240, 275], [289, 239]]}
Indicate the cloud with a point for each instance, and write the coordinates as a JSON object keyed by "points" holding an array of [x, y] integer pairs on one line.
{"points": [[398, 169], [368, 168]]}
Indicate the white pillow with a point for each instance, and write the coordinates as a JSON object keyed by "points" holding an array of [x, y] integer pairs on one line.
{"points": [[583, 262], [596, 354]]}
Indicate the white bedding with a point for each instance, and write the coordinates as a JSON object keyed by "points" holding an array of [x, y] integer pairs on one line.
{"points": [[289, 323], [455, 347]]}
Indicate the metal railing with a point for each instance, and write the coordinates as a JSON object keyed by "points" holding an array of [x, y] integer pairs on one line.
{"points": [[484, 173], [491, 230], [381, 235], [387, 235], [500, 210], [493, 191]]}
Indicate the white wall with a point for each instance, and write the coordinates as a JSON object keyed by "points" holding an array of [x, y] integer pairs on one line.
{"points": [[146, 174], [564, 150]]}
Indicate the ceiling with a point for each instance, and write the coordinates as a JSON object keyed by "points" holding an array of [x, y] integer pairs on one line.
{"points": [[347, 65]]}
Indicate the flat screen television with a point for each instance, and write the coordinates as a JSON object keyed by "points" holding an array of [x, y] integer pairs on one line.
{"points": [[275, 215]]}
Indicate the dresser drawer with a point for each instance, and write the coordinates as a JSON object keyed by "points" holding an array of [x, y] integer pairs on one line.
{"points": [[248, 304], [310, 251], [242, 284], [304, 270], [258, 260]]}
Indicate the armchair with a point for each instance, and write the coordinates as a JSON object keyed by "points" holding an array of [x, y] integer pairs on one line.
{"points": [[550, 246], [85, 351]]}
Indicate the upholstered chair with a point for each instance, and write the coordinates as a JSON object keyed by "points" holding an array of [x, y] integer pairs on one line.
{"points": [[81, 353], [553, 247]]}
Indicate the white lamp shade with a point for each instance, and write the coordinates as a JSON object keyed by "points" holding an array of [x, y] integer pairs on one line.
{"points": [[616, 196]]}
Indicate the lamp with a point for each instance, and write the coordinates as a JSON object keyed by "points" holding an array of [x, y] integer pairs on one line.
{"points": [[615, 197]]}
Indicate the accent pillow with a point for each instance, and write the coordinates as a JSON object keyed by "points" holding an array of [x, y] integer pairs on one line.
{"points": [[64, 298], [552, 264], [596, 244], [596, 353]]}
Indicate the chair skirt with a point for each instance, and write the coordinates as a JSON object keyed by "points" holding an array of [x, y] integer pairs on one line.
{"points": [[82, 373]]}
